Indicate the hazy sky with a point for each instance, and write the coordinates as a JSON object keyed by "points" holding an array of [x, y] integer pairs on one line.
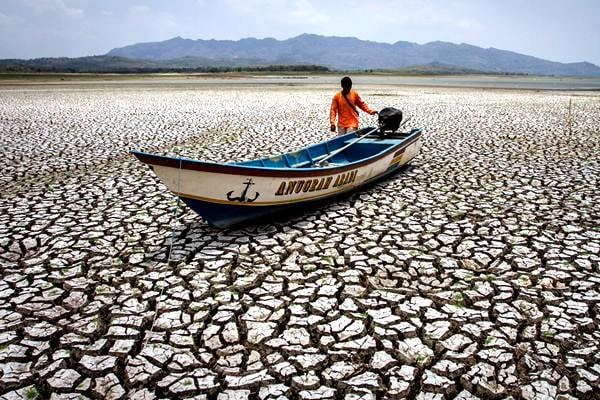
{"points": [[566, 31]]}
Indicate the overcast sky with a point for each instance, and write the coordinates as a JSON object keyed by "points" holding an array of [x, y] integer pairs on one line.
{"points": [[566, 31]]}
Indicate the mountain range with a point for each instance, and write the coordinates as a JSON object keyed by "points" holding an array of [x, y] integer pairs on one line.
{"points": [[348, 53], [306, 52]]}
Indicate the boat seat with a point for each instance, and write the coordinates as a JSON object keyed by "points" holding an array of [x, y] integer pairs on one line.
{"points": [[376, 141]]}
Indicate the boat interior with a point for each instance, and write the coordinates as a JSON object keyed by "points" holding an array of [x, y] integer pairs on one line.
{"points": [[329, 151]]}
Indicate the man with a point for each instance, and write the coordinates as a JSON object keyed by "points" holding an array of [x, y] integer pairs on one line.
{"points": [[344, 106]]}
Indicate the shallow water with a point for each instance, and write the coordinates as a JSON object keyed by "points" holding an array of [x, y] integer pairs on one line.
{"points": [[556, 83], [477, 81]]}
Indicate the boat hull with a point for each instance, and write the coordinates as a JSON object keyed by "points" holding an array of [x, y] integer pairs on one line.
{"points": [[230, 194], [226, 215]]}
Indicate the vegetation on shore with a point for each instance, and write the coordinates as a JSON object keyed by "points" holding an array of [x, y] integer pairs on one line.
{"points": [[122, 65], [49, 67]]}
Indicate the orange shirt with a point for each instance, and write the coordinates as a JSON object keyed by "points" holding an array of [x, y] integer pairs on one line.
{"points": [[347, 118]]}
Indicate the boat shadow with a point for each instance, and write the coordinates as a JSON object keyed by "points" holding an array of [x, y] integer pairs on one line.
{"points": [[190, 237]]}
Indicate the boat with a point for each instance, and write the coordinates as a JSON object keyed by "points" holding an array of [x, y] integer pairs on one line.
{"points": [[227, 194]]}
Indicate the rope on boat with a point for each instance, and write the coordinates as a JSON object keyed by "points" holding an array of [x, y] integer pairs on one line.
{"points": [[175, 209]]}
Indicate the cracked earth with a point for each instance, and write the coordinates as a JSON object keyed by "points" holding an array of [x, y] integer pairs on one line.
{"points": [[472, 273]]}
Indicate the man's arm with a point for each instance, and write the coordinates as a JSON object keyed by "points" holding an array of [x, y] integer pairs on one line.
{"points": [[333, 112], [363, 106]]}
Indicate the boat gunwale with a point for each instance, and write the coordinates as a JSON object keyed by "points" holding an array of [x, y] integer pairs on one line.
{"points": [[252, 170]]}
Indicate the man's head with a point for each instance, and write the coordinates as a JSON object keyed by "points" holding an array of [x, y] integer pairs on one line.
{"points": [[346, 84]]}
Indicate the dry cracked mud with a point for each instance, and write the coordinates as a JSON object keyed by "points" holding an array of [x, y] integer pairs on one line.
{"points": [[472, 273]]}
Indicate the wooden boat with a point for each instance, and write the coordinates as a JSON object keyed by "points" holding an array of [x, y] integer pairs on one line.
{"points": [[226, 194]]}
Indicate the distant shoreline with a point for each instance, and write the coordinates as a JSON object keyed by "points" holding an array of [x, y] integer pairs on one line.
{"points": [[297, 78]]}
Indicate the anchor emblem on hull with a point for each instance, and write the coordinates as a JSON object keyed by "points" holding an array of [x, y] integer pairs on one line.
{"points": [[243, 198]]}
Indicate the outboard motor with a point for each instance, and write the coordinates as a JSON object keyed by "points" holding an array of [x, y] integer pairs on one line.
{"points": [[389, 120]]}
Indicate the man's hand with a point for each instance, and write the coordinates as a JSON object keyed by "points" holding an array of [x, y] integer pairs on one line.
{"points": [[332, 128]]}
